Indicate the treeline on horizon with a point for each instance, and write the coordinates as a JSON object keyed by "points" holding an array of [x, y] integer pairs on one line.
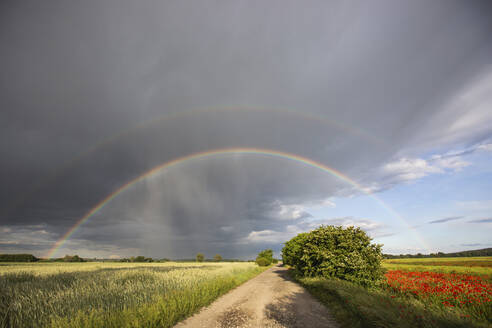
{"points": [[141, 259], [149, 259], [472, 253], [32, 258], [76, 258]]}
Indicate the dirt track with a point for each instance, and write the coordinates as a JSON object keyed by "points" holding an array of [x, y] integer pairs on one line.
{"points": [[271, 299]]}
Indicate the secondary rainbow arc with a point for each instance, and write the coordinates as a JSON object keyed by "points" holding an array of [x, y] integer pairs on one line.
{"points": [[215, 152], [319, 119]]}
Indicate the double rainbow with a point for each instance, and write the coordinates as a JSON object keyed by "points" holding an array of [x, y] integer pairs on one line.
{"points": [[210, 153], [364, 136]]}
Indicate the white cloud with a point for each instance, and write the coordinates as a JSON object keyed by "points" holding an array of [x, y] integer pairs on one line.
{"points": [[282, 211], [288, 211], [463, 117], [474, 106], [268, 236], [453, 163], [9, 242], [485, 147], [325, 203], [373, 228], [410, 169], [27, 235], [291, 212], [226, 228], [406, 169]]}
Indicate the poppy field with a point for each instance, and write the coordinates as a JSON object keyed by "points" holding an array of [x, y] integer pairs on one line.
{"points": [[470, 295], [442, 292], [461, 286]]}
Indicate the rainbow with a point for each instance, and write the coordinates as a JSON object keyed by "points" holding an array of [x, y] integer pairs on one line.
{"points": [[210, 153], [109, 140]]}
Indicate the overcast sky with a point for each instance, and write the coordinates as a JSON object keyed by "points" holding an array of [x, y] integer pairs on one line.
{"points": [[396, 95]]}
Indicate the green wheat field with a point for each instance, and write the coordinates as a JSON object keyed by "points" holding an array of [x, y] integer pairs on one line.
{"points": [[112, 294]]}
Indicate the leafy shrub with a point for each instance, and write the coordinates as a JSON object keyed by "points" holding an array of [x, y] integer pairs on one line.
{"points": [[261, 261], [335, 252], [293, 250], [217, 258], [274, 261]]}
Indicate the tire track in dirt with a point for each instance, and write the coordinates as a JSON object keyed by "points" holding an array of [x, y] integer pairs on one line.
{"points": [[271, 300]]}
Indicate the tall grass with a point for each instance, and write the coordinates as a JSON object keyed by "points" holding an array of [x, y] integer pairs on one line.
{"points": [[112, 294]]}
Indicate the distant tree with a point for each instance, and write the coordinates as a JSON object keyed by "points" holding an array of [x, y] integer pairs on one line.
{"points": [[265, 257], [217, 258], [141, 259], [261, 261], [74, 258], [267, 253], [18, 258], [200, 257], [476, 252]]}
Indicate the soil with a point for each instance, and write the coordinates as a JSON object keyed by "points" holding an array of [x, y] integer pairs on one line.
{"points": [[271, 299]]}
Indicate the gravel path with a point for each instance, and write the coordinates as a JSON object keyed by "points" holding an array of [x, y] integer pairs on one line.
{"points": [[271, 299]]}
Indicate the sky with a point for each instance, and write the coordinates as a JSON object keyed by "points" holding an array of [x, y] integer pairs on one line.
{"points": [[381, 112]]}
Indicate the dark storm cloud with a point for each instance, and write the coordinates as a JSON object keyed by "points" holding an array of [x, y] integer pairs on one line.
{"points": [[76, 73]]}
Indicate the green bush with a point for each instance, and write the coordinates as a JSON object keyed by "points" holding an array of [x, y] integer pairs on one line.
{"points": [[200, 257], [261, 261], [266, 255], [293, 250], [335, 252]]}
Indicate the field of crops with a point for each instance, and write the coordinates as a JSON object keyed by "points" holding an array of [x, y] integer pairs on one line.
{"points": [[112, 294], [442, 292], [470, 265]]}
